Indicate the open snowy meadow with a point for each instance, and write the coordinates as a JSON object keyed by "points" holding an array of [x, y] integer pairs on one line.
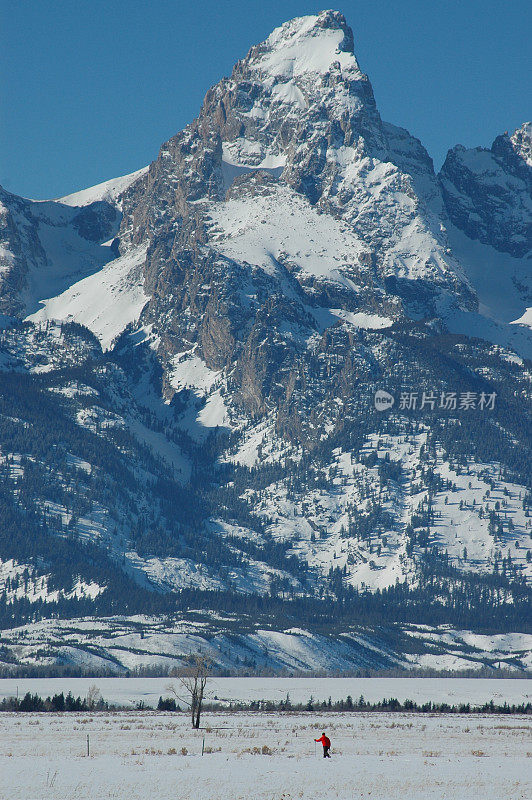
{"points": [[260, 756], [134, 690]]}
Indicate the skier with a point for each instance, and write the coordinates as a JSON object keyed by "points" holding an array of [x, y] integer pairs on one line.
{"points": [[326, 742]]}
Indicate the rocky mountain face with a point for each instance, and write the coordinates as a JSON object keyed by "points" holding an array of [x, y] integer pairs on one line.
{"points": [[47, 246], [291, 142], [488, 193], [190, 402]]}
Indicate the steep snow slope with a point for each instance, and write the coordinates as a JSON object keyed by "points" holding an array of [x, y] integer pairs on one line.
{"points": [[502, 282], [105, 302], [17, 581], [280, 230], [110, 191], [47, 247], [318, 523]]}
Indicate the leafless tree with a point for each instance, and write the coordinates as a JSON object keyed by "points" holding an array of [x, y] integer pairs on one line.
{"points": [[94, 698], [193, 681]]}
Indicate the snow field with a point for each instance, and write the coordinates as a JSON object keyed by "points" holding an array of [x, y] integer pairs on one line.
{"points": [[130, 691], [104, 301], [264, 757]]}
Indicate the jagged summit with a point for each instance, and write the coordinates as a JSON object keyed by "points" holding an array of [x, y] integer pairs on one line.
{"points": [[515, 152], [311, 44], [303, 75], [488, 192], [521, 140]]}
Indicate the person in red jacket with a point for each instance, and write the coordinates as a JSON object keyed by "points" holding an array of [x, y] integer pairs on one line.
{"points": [[326, 742]]}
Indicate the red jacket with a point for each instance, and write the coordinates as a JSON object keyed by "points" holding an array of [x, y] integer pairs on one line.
{"points": [[326, 742]]}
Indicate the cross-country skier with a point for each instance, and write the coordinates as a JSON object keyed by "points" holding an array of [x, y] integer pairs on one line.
{"points": [[326, 742]]}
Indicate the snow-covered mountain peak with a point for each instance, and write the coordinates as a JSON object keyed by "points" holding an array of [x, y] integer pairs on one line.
{"points": [[522, 142], [303, 79], [293, 134], [311, 44], [488, 193], [516, 146], [514, 152]]}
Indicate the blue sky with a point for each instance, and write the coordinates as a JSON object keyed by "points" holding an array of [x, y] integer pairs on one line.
{"points": [[91, 88]]}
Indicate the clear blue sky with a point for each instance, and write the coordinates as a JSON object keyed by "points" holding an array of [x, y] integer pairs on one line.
{"points": [[91, 88]]}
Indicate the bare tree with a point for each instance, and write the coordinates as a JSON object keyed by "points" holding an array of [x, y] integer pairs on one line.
{"points": [[94, 698], [193, 681]]}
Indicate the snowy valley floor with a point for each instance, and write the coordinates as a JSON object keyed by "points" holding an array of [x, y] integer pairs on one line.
{"points": [[138, 755]]}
